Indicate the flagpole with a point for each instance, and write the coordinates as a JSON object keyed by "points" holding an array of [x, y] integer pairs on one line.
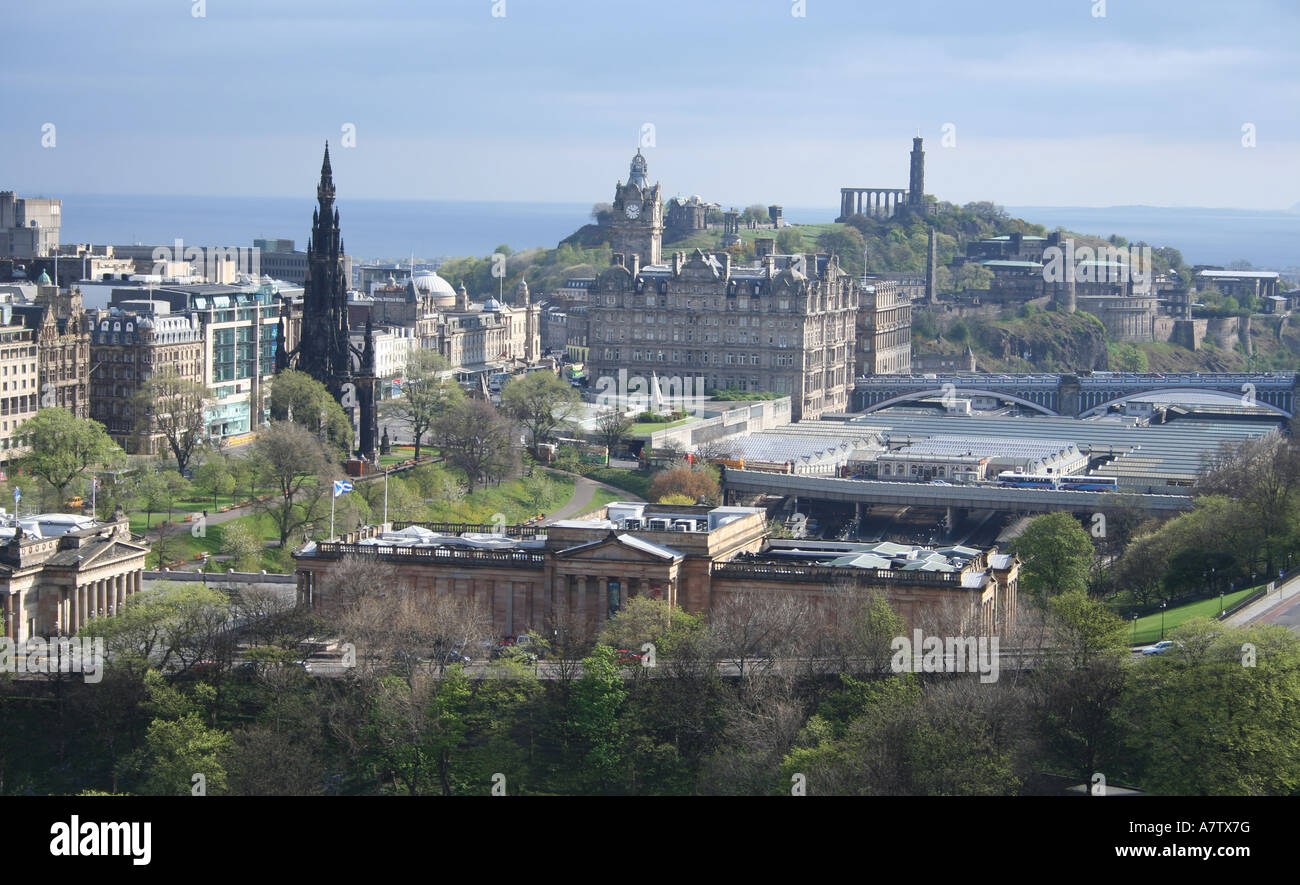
{"points": [[385, 497], [333, 498]]}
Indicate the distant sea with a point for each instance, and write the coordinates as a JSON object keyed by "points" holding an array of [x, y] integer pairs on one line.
{"points": [[1267, 239], [441, 228]]}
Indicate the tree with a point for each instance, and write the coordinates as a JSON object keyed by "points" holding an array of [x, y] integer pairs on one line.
{"points": [[597, 700], [298, 397], [1055, 552], [425, 395], [541, 402], [213, 476], [476, 440], [1262, 475], [290, 457], [972, 276], [242, 545], [62, 446], [610, 430], [151, 493], [172, 406], [849, 245], [1220, 714], [789, 241], [694, 484]]}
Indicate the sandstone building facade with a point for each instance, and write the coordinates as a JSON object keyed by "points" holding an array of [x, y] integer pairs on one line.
{"points": [[583, 571]]}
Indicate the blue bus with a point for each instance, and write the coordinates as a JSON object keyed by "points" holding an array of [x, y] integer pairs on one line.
{"points": [[1026, 480], [1089, 483]]}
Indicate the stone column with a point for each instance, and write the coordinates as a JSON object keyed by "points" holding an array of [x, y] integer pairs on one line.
{"points": [[19, 624], [9, 617], [101, 596], [622, 593], [582, 599], [120, 586], [79, 605], [602, 585]]}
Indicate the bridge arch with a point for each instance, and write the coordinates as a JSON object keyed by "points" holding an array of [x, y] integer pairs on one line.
{"points": [[916, 395], [1235, 395]]}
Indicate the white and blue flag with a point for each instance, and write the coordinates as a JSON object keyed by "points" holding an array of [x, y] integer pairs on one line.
{"points": [[341, 487], [18, 494]]}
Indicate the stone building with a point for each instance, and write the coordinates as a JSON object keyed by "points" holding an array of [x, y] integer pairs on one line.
{"points": [[785, 325], [62, 347], [888, 202], [884, 330], [580, 572], [687, 216], [29, 226], [478, 337], [59, 571], [19, 380], [637, 226], [129, 343]]}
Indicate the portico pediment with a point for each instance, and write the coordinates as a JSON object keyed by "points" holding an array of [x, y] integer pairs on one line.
{"points": [[621, 548]]}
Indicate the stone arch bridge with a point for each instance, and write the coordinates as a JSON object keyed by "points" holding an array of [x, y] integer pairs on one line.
{"points": [[1080, 395]]}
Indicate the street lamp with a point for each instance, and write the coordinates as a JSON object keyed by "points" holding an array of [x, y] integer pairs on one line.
{"points": [[1162, 618], [1135, 630]]}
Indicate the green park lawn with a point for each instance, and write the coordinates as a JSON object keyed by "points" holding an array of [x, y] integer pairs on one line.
{"points": [[602, 497], [1147, 629], [645, 428], [635, 481]]}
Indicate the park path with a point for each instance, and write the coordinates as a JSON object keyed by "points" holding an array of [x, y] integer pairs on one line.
{"points": [[584, 490]]}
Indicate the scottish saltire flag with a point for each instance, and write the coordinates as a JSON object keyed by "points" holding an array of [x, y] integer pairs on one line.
{"points": [[18, 494], [341, 487]]}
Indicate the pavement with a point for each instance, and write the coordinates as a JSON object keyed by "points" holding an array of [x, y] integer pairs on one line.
{"points": [[584, 489], [1282, 606]]}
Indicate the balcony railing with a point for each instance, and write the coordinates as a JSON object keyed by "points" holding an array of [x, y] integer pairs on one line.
{"points": [[450, 555]]}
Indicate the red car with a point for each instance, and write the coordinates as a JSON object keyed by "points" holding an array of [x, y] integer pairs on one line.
{"points": [[627, 658]]}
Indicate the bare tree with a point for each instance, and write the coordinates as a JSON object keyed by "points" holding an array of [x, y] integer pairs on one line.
{"points": [[752, 628]]}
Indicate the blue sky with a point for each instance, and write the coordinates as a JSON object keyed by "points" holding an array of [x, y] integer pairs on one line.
{"points": [[1050, 105]]}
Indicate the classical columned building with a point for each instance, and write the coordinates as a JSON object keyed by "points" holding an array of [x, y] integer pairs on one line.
{"points": [[578, 573], [58, 572]]}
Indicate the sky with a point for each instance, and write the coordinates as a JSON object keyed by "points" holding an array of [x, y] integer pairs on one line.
{"points": [[1021, 102]]}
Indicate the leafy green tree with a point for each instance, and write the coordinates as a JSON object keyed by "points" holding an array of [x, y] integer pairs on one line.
{"points": [[298, 397], [169, 627], [426, 396], [243, 545], [1220, 714], [540, 402], [598, 698], [1056, 553], [849, 245], [172, 406], [972, 276], [213, 476], [1081, 678], [178, 749], [298, 468], [61, 447], [789, 241], [477, 441], [151, 493]]}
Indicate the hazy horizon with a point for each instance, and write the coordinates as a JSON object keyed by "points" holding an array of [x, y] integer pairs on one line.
{"points": [[1172, 104]]}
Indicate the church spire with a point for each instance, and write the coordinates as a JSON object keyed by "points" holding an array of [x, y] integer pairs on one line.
{"points": [[325, 190]]}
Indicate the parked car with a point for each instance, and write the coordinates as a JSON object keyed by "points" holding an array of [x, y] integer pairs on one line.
{"points": [[1159, 648], [627, 657]]}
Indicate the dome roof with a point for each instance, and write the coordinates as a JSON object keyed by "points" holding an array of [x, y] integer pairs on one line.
{"points": [[430, 282], [492, 305], [43, 279]]}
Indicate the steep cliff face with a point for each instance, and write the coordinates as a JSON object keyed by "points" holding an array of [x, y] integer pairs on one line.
{"points": [[1045, 341]]}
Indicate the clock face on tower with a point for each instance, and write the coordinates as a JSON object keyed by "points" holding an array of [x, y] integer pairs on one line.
{"points": [[633, 210]]}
